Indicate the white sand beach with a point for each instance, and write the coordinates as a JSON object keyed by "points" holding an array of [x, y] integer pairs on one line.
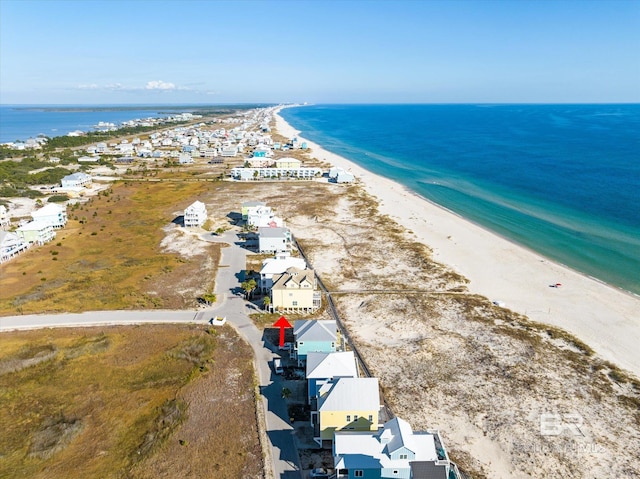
{"points": [[603, 317]]}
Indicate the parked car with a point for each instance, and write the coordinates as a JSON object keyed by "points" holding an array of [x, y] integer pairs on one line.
{"points": [[319, 473], [277, 366]]}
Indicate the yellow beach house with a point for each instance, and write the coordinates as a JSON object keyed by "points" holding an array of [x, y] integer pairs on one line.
{"points": [[346, 404]]}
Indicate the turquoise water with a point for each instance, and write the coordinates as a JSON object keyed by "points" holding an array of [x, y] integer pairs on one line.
{"points": [[563, 180]]}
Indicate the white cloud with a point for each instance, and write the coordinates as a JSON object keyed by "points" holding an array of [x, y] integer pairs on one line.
{"points": [[90, 86], [160, 85]]}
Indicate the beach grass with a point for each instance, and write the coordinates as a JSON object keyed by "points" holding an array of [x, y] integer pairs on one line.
{"points": [[93, 403], [109, 256]]}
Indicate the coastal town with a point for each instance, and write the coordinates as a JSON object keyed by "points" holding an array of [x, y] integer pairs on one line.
{"points": [[387, 366]]}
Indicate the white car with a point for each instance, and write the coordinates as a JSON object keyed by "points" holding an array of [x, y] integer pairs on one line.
{"points": [[218, 321]]}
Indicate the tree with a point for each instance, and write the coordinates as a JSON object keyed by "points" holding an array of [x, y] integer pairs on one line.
{"points": [[266, 302], [248, 287], [209, 298]]}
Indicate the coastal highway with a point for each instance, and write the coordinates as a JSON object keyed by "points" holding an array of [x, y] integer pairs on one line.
{"points": [[284, 456]]}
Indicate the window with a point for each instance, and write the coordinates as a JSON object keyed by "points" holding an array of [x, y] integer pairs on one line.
{"points": [[358, 473], [370, 418], [348, 418], [355, 418], [295, 303], [395, 472], [403, 456]]}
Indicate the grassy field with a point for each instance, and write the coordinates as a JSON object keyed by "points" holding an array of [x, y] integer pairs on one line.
{"points": [[94, 403], [109, 256]]}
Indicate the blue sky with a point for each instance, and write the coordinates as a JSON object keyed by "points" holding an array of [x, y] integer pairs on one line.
{"points": [[145, 51]]}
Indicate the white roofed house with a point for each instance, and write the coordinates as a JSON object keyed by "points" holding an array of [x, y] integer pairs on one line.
{"points": [[278, 265], [54, 214], [346, 404], [75, 179], [345, 177], [195, 215], [247, 205], [39, 232], [393, 451], [312, 335], [323, 367], [274, 240], [11, 245], [255, 213]]}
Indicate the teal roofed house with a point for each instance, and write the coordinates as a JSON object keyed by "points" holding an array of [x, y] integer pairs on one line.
{"points": [[314, 335]]}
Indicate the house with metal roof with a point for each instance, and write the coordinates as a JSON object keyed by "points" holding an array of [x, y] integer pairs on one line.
{"points": [[75, 179], [277, 265], [39, 232], [52, 213], [11, 245], [274, 239], [395, 451], [314, 335], [346, 404], [323, 367]]}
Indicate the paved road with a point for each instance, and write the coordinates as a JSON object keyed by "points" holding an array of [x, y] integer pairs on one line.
{"points": [[284, 455]]}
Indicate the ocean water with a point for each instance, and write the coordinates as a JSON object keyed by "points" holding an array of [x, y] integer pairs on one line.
{"points": [[562, 180], [21, 122]]}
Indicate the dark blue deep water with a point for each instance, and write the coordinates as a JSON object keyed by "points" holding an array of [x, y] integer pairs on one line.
{"points": [[563, 180]]}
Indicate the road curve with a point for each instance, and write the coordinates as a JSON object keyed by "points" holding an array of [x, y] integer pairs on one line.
{"points": [[230, 304]]}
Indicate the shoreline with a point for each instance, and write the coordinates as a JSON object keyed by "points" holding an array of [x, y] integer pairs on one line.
{"points": [[603, 316]]}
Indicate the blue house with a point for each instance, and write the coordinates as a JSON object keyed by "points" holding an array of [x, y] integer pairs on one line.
{"points": [[314, 335], [394, 451]]}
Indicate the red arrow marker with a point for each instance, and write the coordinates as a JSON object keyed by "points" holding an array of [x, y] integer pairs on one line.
{"points": [[282, 323]]}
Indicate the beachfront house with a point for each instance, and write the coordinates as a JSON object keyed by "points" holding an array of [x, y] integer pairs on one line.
{"points": [[11, 245], [255, 213], [345, 177], [277, 265], [38, 232], [339, 175], [312, 335], [75, 180], [346, 404], [273, 240], [52, 213], [195, 215], [393, 451], [322, 368], [247, 205], [294, 291]]}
